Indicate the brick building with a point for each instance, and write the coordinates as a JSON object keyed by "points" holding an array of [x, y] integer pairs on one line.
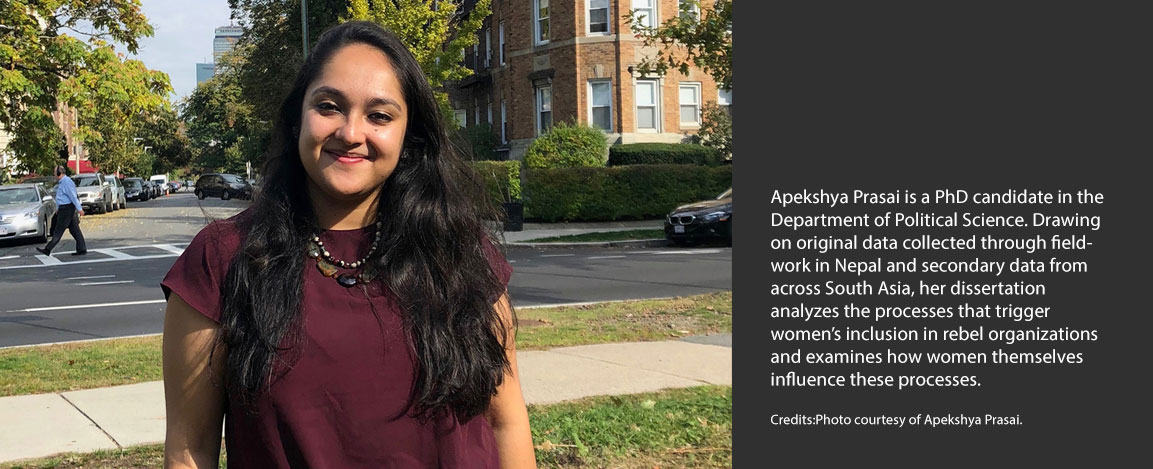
{"points": [[545, 61]]}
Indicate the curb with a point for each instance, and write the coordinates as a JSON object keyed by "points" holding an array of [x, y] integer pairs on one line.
{"points": [[640, 243]]}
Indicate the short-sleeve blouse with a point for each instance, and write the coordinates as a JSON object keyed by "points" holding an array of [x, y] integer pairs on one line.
{"points": [[342, 402]]}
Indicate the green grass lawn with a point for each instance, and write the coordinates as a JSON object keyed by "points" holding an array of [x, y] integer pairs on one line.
{"points": [[691, 427], [629, 235], [69, 367], [626, 321]]}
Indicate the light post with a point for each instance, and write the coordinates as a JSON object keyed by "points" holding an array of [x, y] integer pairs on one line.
{"points": [[304, 25]]}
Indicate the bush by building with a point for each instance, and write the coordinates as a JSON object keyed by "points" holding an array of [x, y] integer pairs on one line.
{"points": [[619, 193], [662, 153], [567, 145], [482, 141]]}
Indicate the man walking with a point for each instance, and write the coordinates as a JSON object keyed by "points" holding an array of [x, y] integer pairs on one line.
{"points": [[68, 213]]}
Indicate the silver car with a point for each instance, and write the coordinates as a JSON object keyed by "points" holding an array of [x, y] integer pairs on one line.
{"points": [[25, 211]]}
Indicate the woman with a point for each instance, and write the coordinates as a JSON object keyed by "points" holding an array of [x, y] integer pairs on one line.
{"points": [[356, 314]]}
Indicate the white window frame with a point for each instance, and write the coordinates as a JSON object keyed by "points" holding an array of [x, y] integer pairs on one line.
{"points": [[696, 10], [501, 33], [536, 21], [658, 121], [461, 116], [589, 16], [487, 47], [503, 122], [653, 16], [592, 121], [696, 86], [488, 109], [538, 106]]}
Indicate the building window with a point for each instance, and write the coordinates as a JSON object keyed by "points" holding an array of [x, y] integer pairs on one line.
{"points": [[690, 101], [461, 117], [540, 16], [503, 122], [601, 105], [476, 55], [543, 109], [648, 111], [501, 33], [725, 100], [646, 12], [476, 115], [487, 47], [598, 17], [488, 116], [688, 10]]}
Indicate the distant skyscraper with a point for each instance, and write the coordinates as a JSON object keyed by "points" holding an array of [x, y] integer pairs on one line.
{"points": [[204, 72], [226, 37]]}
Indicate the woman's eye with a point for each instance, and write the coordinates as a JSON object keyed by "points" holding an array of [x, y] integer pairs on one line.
{"points": [[327, 106], [380, 117]]}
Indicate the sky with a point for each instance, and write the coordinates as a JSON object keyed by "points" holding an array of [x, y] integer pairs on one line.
{"points": [[182, 36]]}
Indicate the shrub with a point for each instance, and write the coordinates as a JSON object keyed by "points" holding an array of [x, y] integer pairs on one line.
{"points": [[501, 179], [662, 153], [717, 130], [624, 192], [482, 140], [567, 145]]}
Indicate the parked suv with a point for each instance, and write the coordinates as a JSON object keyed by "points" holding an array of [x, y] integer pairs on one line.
{"points": [[225, 186], [119, 196], [94, 192]]}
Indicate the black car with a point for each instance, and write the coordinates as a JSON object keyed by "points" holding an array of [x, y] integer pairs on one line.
{"points": [[225, 186], [708, 219], [135, 189]]}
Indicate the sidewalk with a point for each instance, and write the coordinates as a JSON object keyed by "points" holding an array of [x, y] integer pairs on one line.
{"points": [[109, 418], [545, 230]]}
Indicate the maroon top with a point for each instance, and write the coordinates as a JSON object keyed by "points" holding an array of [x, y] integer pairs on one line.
{"points": [[342, 402]]}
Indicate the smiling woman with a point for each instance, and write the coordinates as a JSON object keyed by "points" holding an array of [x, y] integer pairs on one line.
{"points": [[356, 315]]}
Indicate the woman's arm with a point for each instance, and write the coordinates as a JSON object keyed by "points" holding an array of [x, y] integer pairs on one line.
{"points": [[507, 413], [193, 399]]}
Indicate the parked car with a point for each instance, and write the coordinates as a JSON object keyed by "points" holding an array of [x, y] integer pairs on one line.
{"points": [[119, 198], [225, 186], [153, 189], [25, 211], [708, 219], [173, 186], [49, 182], [94, 192], [135, 189]]}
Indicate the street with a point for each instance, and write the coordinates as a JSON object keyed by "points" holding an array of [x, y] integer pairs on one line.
{"points": [[115, 290]]}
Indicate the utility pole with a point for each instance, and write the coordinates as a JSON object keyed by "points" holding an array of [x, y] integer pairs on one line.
{"points": [[304, 25]]}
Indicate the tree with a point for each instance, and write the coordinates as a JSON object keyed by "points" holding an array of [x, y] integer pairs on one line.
{"points": [[704, 39], [162, 131], [272, 38], [220, 125], [436, 32], [42, 65]]}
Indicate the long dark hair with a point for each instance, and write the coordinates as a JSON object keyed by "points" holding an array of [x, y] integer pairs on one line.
{"points": [[432, 251]]}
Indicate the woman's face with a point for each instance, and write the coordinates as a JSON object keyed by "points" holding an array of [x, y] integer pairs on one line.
{"points": [[352, 123]]}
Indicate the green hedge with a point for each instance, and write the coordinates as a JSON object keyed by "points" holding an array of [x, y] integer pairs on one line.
{"points": [[662, 153], [501, 179], [625, 192]]}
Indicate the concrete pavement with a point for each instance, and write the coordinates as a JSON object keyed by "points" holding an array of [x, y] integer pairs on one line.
{"points": [[109, 418]]}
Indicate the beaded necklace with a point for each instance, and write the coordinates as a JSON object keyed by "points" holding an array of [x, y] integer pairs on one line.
{"points": [[328, 265]]}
